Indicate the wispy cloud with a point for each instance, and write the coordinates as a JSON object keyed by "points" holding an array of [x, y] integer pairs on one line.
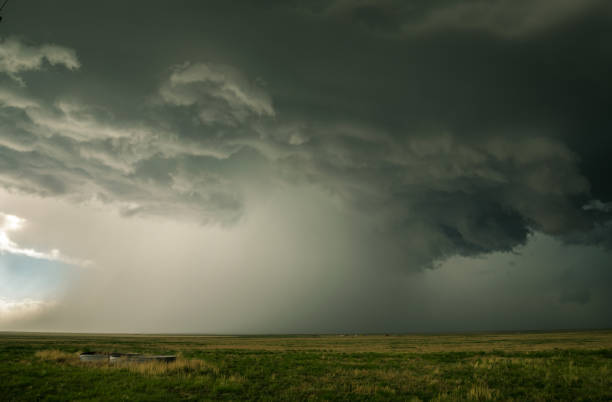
{"points": [[11, 223], [16, 57], [221, 93], [504, 18]]}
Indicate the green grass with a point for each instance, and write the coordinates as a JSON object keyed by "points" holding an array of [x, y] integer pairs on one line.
{"points": [[530, 366]]}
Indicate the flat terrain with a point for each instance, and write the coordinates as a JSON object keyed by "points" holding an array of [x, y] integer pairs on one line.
{"points": [[501, 366]]}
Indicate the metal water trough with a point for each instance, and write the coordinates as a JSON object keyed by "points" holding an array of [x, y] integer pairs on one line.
{"points": [[124, 357], [93, 357]]}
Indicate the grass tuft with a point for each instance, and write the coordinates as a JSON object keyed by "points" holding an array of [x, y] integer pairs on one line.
{"points": [[179, 366], [480, 392]]}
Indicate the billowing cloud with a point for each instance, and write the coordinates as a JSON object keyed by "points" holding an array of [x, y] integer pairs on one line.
{"points": [[464, 196], [70, 149]]}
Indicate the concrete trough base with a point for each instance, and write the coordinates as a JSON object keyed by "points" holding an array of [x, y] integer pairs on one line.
{"points": [[125, 358], [93, 357], [137, 358]]}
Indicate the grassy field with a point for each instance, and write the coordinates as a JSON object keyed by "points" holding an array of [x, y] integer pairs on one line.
{"points": [[508, 366]]}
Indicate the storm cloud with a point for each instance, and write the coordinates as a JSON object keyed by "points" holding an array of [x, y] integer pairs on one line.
{"points": [[384, 138]]}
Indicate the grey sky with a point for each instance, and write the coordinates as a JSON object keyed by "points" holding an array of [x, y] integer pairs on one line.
{"points": [[278, 166]]}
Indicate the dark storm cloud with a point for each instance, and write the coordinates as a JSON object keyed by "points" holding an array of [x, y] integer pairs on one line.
{"points": [[451, 128]]}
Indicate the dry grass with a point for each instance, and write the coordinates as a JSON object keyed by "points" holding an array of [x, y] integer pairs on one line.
{"points": [[179, 366], [480, 392], [371, 389], [58, 356]]}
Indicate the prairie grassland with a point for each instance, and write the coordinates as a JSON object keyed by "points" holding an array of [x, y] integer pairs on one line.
{"points": [[521, 366], [511, 342]]}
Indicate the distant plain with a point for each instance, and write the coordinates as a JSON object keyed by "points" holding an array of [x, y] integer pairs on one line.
{"points": [[484, 366]]}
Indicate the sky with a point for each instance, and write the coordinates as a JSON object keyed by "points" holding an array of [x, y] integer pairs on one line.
{"points": [[325, 166]]}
